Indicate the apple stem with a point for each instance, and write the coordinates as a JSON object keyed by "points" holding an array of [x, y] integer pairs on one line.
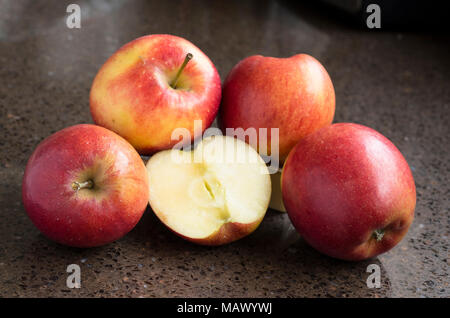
{"points": [[89, 184], [378, 234], [188, 57]]}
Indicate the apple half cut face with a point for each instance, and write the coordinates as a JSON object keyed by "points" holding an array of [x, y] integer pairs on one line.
{"points": [[213, 195], [276, 200]]}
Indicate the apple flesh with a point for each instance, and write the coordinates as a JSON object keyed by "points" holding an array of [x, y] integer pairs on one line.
{"points": [[85, 186], [293, 94], [145, 91], [349, 191], [213, 195]]}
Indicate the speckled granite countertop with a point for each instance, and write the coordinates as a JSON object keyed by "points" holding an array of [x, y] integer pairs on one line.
{"points": [[397, 83]]}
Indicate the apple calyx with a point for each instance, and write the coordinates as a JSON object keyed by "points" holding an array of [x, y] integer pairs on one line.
{"points": [[89, 184], [188, 57], [378, 234]]}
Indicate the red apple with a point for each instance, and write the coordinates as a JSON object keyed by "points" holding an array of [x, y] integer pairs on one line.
{"points": [[348, 191], [85, 186], [146, 90], [293, 94]]}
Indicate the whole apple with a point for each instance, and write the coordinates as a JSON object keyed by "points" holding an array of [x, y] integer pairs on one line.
{"points": [[85, 186], [293, 94], [153, 85], [349, 192]]}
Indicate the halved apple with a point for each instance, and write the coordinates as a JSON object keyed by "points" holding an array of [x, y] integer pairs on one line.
{"points": [[213, 195], [276, 200]]}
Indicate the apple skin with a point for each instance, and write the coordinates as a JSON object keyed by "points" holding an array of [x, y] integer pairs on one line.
{"points": [[85, 217], [226, 234], [131, 94], [293, 94], [342, 183]]}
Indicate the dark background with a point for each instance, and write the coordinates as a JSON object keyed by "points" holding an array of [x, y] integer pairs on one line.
{"points": [[395, 80]]}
